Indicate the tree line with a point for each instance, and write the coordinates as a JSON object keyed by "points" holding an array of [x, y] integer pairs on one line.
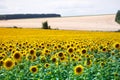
{"points": [[22, 16], [117, 18]]}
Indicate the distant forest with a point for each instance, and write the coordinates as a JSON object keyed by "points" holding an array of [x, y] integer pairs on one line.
{"points": [[23, 16]]}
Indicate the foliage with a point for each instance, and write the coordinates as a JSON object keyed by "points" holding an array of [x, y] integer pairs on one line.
{"points": [[117, 18], [45, 25], [22, 16]]}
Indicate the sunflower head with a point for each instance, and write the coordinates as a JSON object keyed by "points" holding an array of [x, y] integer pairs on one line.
{"points": [[78, 69], [46, 65], [38, 53], [1, 62], [70, 50], [34, 58], [104, 49], [116, 74], [63, 59], [29, 57], [60, 54], [54, 59], [8, 64], [83, 51], [116, 45], [34, 69], [88, 62], [102, 64], [32, 52], [17, 56], [43, 59]]}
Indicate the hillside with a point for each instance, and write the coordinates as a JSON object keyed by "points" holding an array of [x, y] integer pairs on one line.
{"points": [[100, 22]]}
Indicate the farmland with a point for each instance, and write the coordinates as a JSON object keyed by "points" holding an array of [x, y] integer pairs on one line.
{"points": [[94, 23], [37, 54]]}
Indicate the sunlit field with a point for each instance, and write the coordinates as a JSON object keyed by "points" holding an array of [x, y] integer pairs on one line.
{"points": [[36, 54]]}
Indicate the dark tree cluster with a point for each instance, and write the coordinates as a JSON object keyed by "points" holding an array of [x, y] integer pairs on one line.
{"points": [[23, 16], [117, 18], [45, 25]]}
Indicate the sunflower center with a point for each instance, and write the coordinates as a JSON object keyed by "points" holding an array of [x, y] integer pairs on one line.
{"points": [[60, 54], [46, 51], [117, 45], [17, 55], [62, 58], [34, 69], [47, 65], [83, 51], [54, 59], [104, 49], [32, 52], [8, 63], [70, 50], [78, 70]]}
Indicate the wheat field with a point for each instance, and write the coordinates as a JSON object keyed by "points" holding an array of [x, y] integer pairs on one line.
{"points": [[98, 22]]}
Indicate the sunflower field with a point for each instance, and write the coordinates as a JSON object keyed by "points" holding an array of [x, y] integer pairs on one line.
{"points": [[36, 54]]}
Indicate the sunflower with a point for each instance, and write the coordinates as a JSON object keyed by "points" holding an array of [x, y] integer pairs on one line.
{"points": [[34, 69], [83, 51], [102, 64], [17, 56], [54, 59], [60, 54], [116, 74], [38, 53], [8, 64], [34, 58], [104, 49], [43, 59], [70, 50], [88, 62], [4, 55], [78, 69], [116, 45], [32, 52], [29, 57], [1, 62], [63, 59], [87, 56], [46, 65]]}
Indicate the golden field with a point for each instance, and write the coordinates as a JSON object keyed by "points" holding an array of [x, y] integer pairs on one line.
{"points": [[94, 23], [37, 54]]}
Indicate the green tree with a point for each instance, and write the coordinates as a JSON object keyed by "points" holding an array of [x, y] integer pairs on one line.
{"points": [[45, 25], [117, 18]]}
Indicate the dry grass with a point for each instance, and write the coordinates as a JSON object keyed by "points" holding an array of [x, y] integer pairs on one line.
{"points": [[101, 22]]}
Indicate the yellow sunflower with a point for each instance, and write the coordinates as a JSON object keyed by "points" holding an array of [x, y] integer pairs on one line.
{"points": [[46, 65], [29, 57], [83, 51], [63, 59], [1, 62], [70, 50], [88, 63], [60, 54], [8, 64], [34, 69], [54, 59], [102, 64], [116, 45], [17, 56], [32, 52], [78, 69]]}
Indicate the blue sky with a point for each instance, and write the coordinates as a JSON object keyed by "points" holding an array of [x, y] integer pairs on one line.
{"points": [[63, 7]]}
